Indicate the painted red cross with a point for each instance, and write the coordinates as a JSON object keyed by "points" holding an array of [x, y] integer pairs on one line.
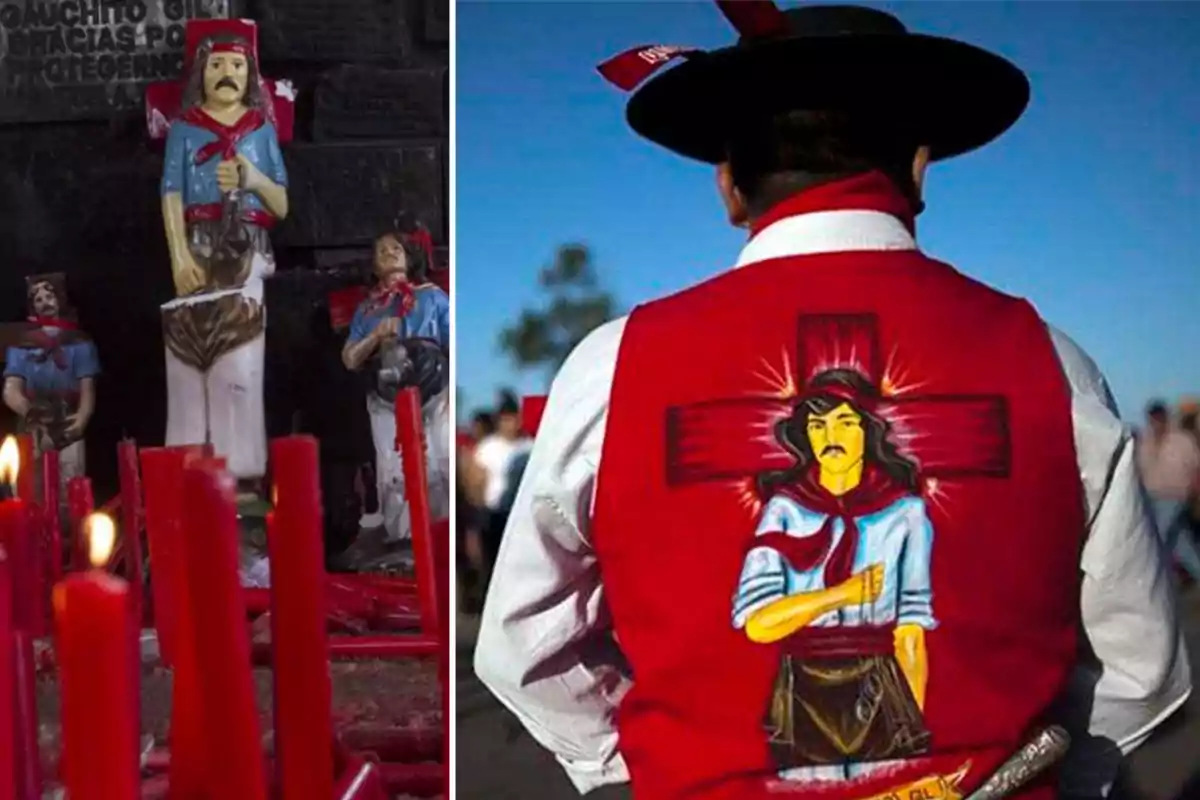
{"points": [[948, 436]]}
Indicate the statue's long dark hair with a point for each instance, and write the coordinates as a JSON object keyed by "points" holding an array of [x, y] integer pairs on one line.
{"points": [[193, 87], [824, 393], [407, 230]]}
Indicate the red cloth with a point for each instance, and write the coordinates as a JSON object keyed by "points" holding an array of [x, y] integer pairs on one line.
{"points": [[211, 212], [399, 294], [876, 492], [228, 136], [974, 395]]}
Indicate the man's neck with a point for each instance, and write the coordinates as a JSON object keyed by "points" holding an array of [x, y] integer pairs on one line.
{"points": [[225, 114], [840, 483]]}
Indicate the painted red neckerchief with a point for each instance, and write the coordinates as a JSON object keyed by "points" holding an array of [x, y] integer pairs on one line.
{"points": [[871, 191], [875, 492], [51, 346], [228, 136]]}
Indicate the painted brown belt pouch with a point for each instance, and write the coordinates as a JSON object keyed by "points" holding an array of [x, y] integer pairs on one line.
{"points": [[48, 415], [200, 333]]}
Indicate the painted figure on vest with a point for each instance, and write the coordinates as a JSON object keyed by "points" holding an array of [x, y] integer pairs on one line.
{"points": [[401, 333], [224, 186], [838, 573], [50, 375]]}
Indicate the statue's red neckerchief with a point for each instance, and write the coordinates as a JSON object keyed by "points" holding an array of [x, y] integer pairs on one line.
{"points": [[51, 346], [401, 293], [228, 136]]}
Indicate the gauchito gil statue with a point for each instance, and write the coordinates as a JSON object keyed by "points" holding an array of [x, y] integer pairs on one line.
{"points": [[224, 186]]}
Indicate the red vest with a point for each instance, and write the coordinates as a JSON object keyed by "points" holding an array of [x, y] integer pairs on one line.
{"points": [[838, 519]]}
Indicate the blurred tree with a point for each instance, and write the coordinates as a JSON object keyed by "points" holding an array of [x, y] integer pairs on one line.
{"points": [[577, 303]]}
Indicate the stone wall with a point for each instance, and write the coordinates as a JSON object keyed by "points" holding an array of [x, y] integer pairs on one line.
{"points": [[79, 194]]}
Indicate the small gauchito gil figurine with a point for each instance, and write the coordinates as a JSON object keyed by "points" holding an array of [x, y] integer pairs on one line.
{"points": [[224, 186], [401, 333], [50, 375]]}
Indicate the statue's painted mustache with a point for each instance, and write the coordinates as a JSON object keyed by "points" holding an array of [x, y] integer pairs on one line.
{"points": [[228, 83], [833, 448]]}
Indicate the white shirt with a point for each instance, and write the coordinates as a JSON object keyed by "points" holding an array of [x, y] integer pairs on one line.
{"points": [[495, 454], [541, 641]]}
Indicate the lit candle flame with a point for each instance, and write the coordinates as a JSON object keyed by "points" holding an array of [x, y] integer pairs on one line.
{"points": [[102, 535], [10, 460]]}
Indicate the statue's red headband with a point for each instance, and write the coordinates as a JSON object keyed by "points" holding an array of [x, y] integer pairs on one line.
{"points": [[240, 48]]}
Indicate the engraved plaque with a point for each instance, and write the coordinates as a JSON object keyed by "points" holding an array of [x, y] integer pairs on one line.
{"points": [[89, 59]]}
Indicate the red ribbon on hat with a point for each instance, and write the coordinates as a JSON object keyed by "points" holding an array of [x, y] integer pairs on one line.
{"points": [[754, 18], [627, 70], [751, 18]]}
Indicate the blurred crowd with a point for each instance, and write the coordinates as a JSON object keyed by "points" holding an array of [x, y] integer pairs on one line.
{"points": [[492, 455], [1168, 449]]}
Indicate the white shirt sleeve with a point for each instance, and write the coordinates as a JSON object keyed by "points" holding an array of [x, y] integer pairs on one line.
{"points": [[1133, 671], [545, 648]]}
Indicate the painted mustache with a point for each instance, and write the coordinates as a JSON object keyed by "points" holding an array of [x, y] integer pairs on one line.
{"points": [[228, 83], [833, 448]]}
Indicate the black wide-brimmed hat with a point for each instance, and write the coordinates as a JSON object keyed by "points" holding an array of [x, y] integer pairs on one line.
{"points": [[952, 96]]}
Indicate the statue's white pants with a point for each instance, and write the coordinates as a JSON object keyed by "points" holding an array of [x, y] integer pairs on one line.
{"points": [[224, 405], [389, 472]]}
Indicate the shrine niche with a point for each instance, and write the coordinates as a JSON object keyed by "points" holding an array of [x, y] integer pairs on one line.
{"points": [[224, 187]]}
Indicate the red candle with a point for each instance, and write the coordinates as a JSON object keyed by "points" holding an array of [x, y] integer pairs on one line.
{"points": [[303, 695], [232, 733], [97, 650], [79, 504], [17, 537], [26, 482], [51, 476], [131, 520], [8, 688], [162, 469], [410, 440]]}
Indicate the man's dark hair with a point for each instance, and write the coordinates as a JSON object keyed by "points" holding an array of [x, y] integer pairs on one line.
{"points": [[509, 404], [485, 421], [792, 432], [778, 156], [1157, 409], [193, 87]]}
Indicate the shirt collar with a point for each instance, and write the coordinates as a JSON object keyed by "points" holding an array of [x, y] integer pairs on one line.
{"points": [[860, 213], [827, 232]]}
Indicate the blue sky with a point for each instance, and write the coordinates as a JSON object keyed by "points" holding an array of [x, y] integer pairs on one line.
{"points": [[1090, 206]]}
